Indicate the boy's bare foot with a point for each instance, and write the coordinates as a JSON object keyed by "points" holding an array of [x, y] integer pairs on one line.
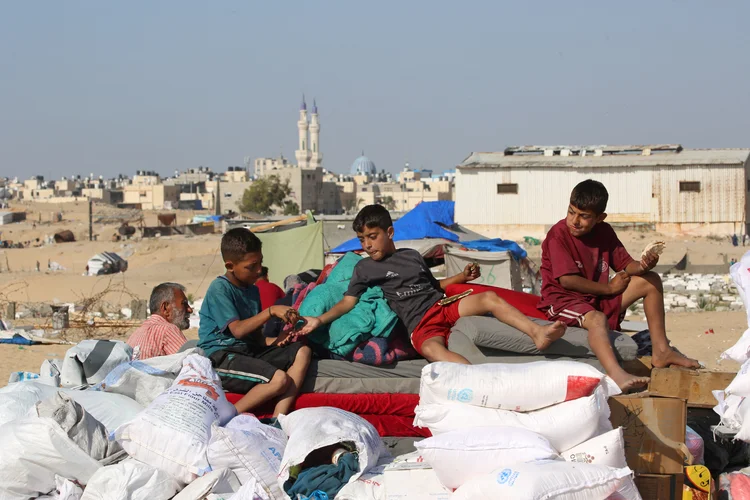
{"points": [[627, 382], [543, 336], [671, 357]]}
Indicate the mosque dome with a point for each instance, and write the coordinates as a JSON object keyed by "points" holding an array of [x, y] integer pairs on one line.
{"points": [[363, 166]]}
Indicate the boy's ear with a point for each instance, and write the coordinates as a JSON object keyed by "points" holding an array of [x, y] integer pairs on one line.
{"points": [[390, 233], [228, 266], [601, 217]]}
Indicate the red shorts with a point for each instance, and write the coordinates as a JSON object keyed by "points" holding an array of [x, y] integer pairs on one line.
{"points": [[572, 313], [436, 322]]}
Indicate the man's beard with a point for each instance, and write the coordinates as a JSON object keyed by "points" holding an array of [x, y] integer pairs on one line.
{"points": [[180, 319]]}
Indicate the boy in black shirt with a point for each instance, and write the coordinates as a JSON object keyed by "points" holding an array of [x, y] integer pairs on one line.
{"points": [[413, 293]]}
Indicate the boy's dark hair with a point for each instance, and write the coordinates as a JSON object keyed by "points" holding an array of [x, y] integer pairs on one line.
{"points": [[372, 216], [590, 195], [237, 242], [263, 272]]}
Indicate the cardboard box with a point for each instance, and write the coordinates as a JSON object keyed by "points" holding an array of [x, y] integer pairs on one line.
{"points": [[659, 486], [653, 430], [409, 477], [695, 386]]}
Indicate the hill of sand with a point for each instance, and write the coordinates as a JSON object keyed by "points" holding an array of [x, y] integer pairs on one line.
{"points": [[195, 261]]}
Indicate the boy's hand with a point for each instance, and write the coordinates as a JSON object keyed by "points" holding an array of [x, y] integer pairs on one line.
{"points": [[472, 272], [312, 323], [287, 314], [649, 261], [619, 283]]}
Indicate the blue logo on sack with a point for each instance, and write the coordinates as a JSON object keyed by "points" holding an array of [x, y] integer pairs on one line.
{"points": [[465, 395], [503, 477]]}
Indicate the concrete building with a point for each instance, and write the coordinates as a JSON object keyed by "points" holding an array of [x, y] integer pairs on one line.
{"points": [[150, 197], [700, 191], [309, 190]]}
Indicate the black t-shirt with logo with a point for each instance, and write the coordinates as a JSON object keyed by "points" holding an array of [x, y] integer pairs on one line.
{"points": [[407, 283]]}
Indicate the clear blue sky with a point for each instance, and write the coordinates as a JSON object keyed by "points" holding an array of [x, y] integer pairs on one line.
{"points": [[111, 87]]}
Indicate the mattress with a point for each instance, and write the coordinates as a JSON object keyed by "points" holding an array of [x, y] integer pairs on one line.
{"points": [[489, 333]]}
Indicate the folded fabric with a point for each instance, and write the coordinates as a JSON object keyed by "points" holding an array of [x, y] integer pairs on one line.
{"points": [[326, 478], [379, 351], [371, 317]]}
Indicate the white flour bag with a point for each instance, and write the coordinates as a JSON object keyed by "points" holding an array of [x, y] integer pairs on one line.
{"points": [[564, 425], [252, 450], [544, 480], [515, 387], [173, 433]]}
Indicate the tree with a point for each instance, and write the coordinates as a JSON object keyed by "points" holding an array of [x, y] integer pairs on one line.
{"points": [[264, 194], [351, 205], [388, 202], [291, 208]]}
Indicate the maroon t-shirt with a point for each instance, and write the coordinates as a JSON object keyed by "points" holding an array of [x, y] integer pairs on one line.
{"points": [[269, 293], [590, 256]]}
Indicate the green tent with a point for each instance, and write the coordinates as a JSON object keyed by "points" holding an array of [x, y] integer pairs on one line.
{"points": [[293, 250]]}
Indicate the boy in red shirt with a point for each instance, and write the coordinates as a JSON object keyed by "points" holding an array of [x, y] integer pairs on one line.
{"points": [[577, 255], [269, 292]]}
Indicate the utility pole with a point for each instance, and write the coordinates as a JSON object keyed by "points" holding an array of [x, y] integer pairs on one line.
{"points": [[91, 220]]}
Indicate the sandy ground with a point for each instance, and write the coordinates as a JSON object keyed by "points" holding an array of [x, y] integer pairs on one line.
{"points": [[195, 261]]}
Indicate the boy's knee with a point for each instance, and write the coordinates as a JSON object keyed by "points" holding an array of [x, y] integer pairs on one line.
{"points": [[280, 381], [491, 299], [303, 354], [595, 319], [654, 279]]}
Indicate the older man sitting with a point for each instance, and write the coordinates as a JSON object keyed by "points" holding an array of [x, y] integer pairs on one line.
{"points": [[161, 334]]}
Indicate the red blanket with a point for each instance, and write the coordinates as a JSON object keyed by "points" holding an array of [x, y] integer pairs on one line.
{"points": [[524, 302], [400, 405]]}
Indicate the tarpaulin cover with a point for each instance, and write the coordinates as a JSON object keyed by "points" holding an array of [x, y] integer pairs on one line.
{"points": [[293, 251], [497, 245], [418, 223]]}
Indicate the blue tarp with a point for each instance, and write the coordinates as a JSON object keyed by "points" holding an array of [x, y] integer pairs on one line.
{"points": [[416, 224], [497, 245]]}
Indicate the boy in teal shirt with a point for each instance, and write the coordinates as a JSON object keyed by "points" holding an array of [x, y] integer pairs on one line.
{"points": [[230, 323]]}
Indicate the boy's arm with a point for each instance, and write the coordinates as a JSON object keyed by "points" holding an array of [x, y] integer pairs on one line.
{"points": [[577, 283], [243, 327], [342, 307], [470, 272]]}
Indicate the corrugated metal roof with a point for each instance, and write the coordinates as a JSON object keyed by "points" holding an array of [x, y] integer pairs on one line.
{"points": [[684, 158]]}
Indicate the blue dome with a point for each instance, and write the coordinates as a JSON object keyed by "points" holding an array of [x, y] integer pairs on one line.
{"points": [[363, 166]]}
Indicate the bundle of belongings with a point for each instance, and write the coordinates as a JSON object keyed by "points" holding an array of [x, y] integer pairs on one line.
{"points": [[163, 428]]}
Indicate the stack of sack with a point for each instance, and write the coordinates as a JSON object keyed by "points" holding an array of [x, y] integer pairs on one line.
{"points": [[162, 429], [532, 431]]}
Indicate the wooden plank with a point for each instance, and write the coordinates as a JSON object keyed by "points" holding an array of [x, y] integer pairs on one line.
{"points": [[695, 386], [272, 225]]}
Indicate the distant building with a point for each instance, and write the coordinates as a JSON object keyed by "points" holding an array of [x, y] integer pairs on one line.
{"points": [[306, 179], [671, 188]]}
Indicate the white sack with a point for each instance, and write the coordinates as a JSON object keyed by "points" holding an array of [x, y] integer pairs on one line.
{"points": [[91, 360], [313, 428], [740, 386], [740, 273], [731, 409], [252, 450], [112, 410], [545, 480], [515, 387], [130, 480], [627, 491], [34, 451], [220, 481], [49, 372], [565, 425], [65, 489], [744, 433], [144, 380], [607, 449], [464, 454], [369, 486], [173, 433]]}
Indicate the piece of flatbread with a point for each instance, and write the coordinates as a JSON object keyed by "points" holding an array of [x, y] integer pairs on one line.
{"points": [[656, 247]]}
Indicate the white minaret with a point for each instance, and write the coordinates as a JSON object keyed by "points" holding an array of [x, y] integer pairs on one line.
{"points": [[303, 153], [316, 157]]}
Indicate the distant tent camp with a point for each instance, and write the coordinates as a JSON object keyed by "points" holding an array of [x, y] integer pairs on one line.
{"points": [[106, 263], [429, 226]]}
